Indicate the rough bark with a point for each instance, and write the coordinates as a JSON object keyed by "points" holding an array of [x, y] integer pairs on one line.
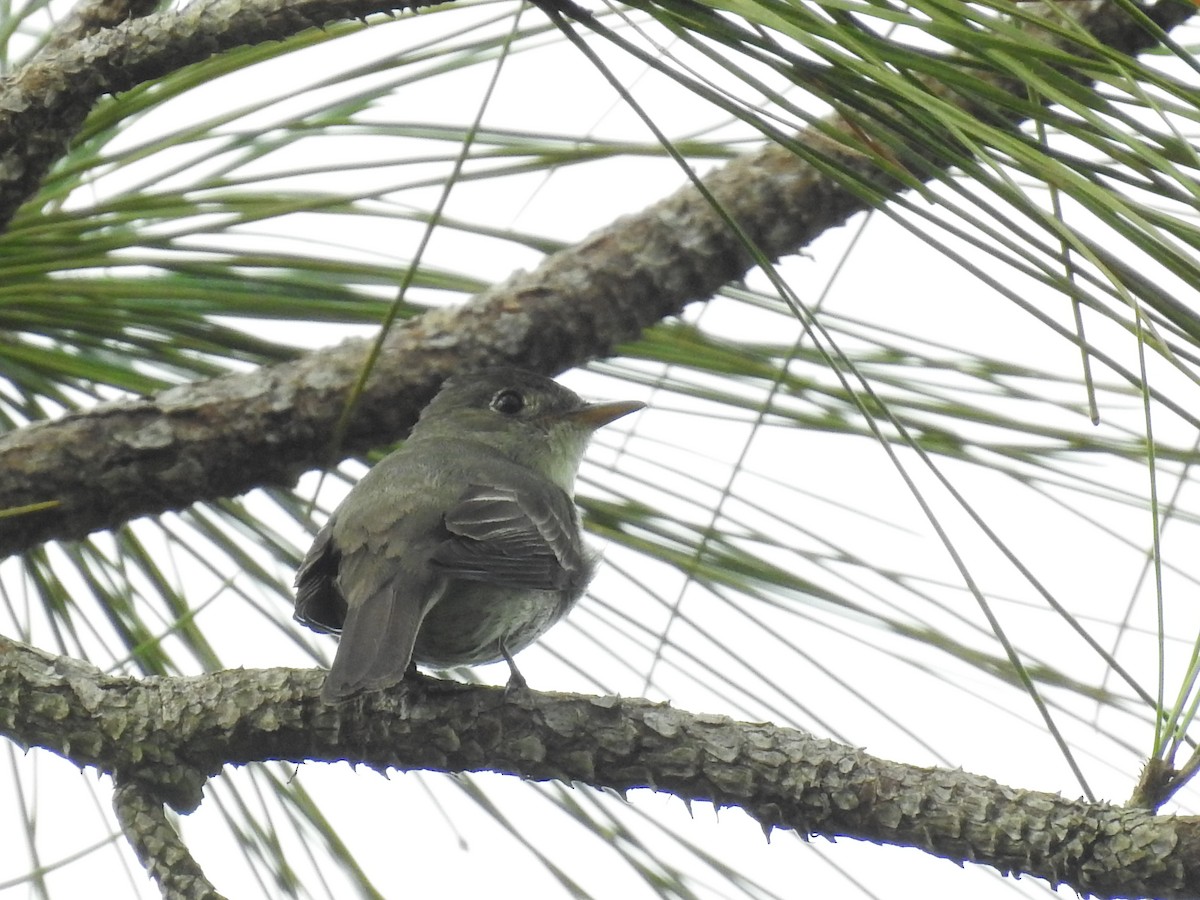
{"points": [[158, 845], [161, 737], [43, 103]]}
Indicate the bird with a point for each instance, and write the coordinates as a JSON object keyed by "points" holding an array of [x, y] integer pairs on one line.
{"points": [[463, 546]]}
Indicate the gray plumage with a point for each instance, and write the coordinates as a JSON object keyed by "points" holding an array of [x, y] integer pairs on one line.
{"points": [[463, 546]]}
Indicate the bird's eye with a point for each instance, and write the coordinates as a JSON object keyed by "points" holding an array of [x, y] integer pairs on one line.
{"points": [[508, 402]]}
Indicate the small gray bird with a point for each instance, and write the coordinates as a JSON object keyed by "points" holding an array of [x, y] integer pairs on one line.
{"points": [[463, 546]]}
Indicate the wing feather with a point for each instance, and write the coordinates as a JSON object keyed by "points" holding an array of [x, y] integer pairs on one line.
{"points": [[515, 536]]}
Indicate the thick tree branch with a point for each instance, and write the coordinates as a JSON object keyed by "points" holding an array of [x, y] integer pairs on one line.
{"points": [[149, 732], [226, 436]]}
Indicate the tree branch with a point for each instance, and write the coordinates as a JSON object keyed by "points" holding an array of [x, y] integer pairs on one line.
{"points": [[226, 436], [43, 103], [158, 846], [148, 732], [92, 16]]}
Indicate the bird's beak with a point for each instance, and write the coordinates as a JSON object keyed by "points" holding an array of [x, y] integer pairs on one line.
{"points": [[596, 415]]}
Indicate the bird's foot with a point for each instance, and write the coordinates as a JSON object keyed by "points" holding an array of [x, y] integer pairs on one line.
{"points": [[516, 681]]}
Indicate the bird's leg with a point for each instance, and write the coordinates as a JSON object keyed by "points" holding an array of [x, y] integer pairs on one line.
{"points": [[516, 681]]}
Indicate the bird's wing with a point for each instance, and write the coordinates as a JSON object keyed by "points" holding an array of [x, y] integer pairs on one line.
{"points": [[319, 604], [515, 535]]}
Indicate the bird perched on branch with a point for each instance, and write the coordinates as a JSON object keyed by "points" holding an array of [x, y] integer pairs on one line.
{"points": [[463, 546]]}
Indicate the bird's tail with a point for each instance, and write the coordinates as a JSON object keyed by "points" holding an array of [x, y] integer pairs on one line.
{"points": [[376, 645]]}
